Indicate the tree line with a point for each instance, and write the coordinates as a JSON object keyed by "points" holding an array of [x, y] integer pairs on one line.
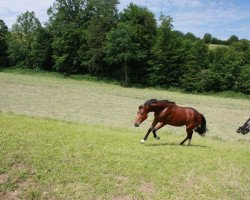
{"points": [[131, 46]]}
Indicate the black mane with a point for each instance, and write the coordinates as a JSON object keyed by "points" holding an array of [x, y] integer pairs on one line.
{"points": [[147, 103]]}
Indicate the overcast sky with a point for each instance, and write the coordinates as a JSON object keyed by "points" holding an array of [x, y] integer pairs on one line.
{"points": [[221, 18]]}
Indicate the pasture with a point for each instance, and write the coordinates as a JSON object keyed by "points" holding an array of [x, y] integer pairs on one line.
{"points": [[74, 139], [215, 46]]}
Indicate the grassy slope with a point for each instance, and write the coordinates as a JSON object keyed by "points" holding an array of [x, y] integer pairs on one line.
{"points": [[101, 157], [111, 105], [214, 46], [43, 158]]}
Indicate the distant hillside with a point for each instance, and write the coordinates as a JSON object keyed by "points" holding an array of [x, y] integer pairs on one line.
{"points": [[214, 46]]}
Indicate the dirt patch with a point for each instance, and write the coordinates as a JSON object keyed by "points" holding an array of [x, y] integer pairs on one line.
{"points": [[20, 165], [22, 185], [147, 187], [19, 183], [23, 166], [122, 197], [122, 179], [10, 195], [4, 178]]}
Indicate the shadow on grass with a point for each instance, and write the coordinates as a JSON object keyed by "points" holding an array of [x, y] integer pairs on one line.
{"points": [[175, 144]]}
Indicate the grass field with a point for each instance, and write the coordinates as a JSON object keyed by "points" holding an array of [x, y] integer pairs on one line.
{"points": [[214, 46], [71, 139]]}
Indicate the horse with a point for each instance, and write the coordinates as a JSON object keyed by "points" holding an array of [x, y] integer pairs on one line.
{"points": [[167, 112], [245, 128]]}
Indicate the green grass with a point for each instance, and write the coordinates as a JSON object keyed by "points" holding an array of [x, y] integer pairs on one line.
{"points": [[48, 159], [74, 139]]}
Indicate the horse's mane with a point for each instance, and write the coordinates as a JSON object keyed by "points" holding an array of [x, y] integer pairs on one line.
{"points": [[151, 101]]}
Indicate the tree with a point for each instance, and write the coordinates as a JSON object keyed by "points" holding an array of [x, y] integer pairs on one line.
{"points": [[3, 44], [168, 56], [21, 38], [121, 48], [224, 68], [232, 39], [130, 42], [243, 83], [197, 62], [243, 47], [104, 17], [190, 36], [42, 49], [64, 12], [79, 30], [65, 49], [68, 21], [144, 24], [207, 38]]}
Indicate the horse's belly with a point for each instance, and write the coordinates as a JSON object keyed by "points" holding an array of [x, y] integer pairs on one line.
{"points": [[174, 122]]}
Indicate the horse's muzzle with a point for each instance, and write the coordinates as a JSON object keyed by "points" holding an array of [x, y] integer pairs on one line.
{"points": [[136, 124]]}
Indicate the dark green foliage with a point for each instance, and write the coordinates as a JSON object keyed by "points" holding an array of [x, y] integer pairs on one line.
{"points": [[143, 22], [3, 44], [66, 19], [168, 56], [197, 62], [130, 42], [121, 48], [42, 49], [207, 38], [224, 68], [190, 36], [243, 80], [104, 17], [21, 39], [91, 37], [80, 28], [232, 39], [65, 50]]}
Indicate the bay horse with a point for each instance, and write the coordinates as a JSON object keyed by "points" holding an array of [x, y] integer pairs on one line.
{"points": [[167, 112]]}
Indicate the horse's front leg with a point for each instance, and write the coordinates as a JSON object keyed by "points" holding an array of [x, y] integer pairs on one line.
{"points": [[156, 128], [149, 130]]}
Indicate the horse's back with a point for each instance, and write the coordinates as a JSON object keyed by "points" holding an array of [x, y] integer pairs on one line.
{"points": [[181, 116]]}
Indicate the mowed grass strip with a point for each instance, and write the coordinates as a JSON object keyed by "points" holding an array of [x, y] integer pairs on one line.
{"points": [[48, 159], [48, 95]]}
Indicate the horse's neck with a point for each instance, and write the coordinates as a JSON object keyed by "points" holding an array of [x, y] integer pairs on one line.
{"points": [[160, 106]]}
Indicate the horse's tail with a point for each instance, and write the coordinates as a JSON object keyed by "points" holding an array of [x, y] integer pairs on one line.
{"points": [[202, 128]]}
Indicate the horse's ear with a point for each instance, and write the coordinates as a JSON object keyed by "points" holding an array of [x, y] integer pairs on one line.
{"points": [[140, 107]]}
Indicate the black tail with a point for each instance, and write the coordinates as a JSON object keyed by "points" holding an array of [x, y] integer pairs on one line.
{"points": [[202, 128]]}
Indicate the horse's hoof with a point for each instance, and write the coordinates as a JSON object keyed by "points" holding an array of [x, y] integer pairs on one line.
{"points": [[157, 137], [181, 143], [142, 141]]}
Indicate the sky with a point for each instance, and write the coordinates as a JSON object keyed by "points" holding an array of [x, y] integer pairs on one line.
{"points": [[221, 18]]}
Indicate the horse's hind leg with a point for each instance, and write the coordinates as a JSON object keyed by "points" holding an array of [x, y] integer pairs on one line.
{"points": [[189, 136]]}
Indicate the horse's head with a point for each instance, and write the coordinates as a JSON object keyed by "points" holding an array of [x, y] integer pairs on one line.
{"points": [[245, 128], [242, 130], [142, 115]]}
